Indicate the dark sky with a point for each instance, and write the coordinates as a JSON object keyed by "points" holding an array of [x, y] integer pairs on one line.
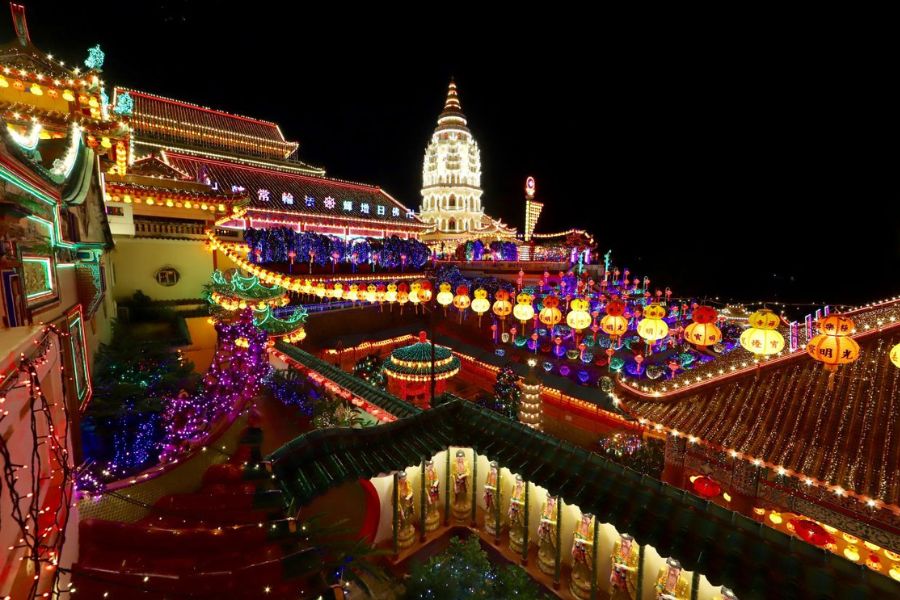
{"points": [[745, 164]]}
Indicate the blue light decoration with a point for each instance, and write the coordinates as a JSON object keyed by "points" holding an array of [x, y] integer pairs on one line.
{"points": [[583, 376], [565, 370], [500, 352], [95, 58], [548, 366], [124, 105]]}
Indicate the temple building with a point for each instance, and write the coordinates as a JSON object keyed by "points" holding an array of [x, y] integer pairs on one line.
{"points": [[451, 183], [194, 168]]}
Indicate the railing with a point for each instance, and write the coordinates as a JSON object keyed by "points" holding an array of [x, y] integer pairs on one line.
{"points": [[168, 229]]}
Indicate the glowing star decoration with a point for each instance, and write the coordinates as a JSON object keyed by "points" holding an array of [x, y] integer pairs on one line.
{"points": [[652, 327], [329, 202], [287, 198], [124, 105], [263, 195], [895, 356], [703, 332], [480, 304], [834, 346], [523, 311], [761, 338], [95, 58]]}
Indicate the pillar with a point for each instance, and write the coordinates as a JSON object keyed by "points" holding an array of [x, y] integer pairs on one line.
{"points": [[447, 491], [422, 506], [559, 504], [474, 523], [396, 516], [673, 470], [525, 533]]}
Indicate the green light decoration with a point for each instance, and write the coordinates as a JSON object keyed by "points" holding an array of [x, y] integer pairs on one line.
{"points": [[247, 288], [235, 288], [274, 326], [95, 58], [124, 105]]}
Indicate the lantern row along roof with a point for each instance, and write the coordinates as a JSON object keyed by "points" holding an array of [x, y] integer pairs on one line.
{"points": [[786, 415], [704, 536], [355, 385]]}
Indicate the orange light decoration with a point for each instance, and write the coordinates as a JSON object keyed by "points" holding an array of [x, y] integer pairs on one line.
{"points": [[652, 327], [502, 306], [834, 345], [761, 338], [550, 315], [480, 304], [523, 310], [703, 331], [895, 356]]}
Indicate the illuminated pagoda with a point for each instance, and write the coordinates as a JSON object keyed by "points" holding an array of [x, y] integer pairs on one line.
{"points": [[451, 183], [410, 374]]}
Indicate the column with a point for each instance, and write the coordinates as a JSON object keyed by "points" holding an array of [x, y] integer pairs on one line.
{"points": [[396, 516], [447, 490], [559, 504], [474, 523], [525, 533], [422, 506]]}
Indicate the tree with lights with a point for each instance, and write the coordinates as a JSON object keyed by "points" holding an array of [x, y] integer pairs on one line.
{"points": [[464, 571], [507, 393], [369, 368]]}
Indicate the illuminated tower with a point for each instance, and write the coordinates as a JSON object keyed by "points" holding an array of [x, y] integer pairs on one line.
{"points": [[532, 208], [451, 174]]}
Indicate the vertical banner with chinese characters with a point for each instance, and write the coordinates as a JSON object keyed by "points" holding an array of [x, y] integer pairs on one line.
{"points": [[794, 336], [809, 328]]}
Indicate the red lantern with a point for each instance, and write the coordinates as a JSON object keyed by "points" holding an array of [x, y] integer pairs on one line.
{"points": [[615, 308], [705, 314], [812, 532], [707, 487]]}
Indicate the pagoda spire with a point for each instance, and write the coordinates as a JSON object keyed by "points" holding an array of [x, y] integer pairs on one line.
{"points": [[452, 102], [20, 23], [452, 116]]}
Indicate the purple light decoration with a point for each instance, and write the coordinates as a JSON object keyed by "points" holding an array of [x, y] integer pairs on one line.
{"points": [[232, 380]]}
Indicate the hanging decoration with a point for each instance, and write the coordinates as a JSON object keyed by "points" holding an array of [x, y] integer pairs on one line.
{"points": [[895, 356], [445, 296], [834, 345], [523, 311], [761, 338], [703, 331], [652, 327], [502, 306]]}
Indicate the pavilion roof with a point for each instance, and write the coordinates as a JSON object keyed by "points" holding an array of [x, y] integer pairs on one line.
{"points": [[704, 536], [786, 415], [363, 389], [291, 193]]}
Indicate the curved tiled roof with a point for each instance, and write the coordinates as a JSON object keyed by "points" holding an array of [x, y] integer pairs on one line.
{"points": [[730, 549], [787, 416], [281, 191]]}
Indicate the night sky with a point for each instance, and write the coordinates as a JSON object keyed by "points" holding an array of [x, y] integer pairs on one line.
{"points": [[751, 166]]}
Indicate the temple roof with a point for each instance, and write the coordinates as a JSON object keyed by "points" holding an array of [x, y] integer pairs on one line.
{"points": [[174, 121], [291, 192], [414, 361], [786, 415], [704, 536]]}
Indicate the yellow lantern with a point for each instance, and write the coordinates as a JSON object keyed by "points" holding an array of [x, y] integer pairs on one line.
{"points": [[353, 293], [764, 319], [652, 330], [834, 346], [370, 293], [402, 299], [391, 294], [702, 334], [480, 304], [523, 310], [614, 325], [445, 296], [895, 355], [652, 327], [338, 290], [762, 342], [578, 317]]}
